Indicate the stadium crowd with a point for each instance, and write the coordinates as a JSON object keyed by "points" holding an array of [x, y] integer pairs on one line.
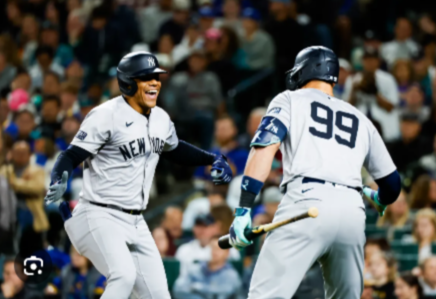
{"points": [[226, 60]]}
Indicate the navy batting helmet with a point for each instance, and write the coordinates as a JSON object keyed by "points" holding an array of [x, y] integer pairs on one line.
{"points": [[136, 65], [313, 63]]}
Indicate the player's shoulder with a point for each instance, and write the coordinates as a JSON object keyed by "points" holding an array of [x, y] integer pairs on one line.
{"points": [[107, 108], [161, 113]]}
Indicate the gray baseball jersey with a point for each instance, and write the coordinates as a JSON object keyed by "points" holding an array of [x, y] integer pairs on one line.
{"points": [[327, 139], [125, 149]]}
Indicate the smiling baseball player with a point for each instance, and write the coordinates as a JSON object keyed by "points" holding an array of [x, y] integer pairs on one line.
{"points": [[120, 143], [324, 142]]}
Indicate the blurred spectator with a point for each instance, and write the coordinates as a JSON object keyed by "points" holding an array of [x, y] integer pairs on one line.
{"points": [[344, 72], [253, 123], [70, 127], [25, 124], [63, 55], [256, 43], [195, 96], [403, 46], [407, 287], [231, 10], [18, 99], [428, 162], [14, 17], [165, 51], [201, 206], [383, 269], [161, 240], [428, 276], [45, 63], [423, 72], [7, 71], [403, 73], [271, 198], [152, 17], [172, 224], [206, 17], [424, 232], [278, 26], [13, 287], [375, 93], [50, 109], [223, 217], [230, 48], [69, 99], [29, 39], [414, 103], [412, 145], [370, 40], [192, 41], [51, 84], [226, 144], [397, 215], [213, 279], [22, 81], [76, 24], [423, 192], [373, 247], [176, 26], [45, 155]]}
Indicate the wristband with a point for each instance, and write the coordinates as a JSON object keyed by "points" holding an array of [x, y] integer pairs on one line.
{"points": [[250, 188]]}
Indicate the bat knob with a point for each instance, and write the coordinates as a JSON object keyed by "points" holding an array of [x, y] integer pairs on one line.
{"points": [[313, 212]]}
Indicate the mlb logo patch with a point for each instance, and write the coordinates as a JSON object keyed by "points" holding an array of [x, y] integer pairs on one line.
{"points": [[275, 110], [81, 135]]}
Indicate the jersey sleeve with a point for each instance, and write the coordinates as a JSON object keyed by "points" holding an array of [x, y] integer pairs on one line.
{"points": [[95, 131], [378, 162], [172, 140], [275, 124]]}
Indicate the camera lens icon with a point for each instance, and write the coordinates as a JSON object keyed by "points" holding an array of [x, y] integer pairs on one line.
{"points": [[33, 265]]}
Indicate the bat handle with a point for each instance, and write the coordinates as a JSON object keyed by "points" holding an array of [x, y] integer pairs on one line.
{"points": [[224, 241]]}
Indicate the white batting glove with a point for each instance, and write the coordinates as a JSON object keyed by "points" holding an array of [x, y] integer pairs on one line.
{"points": [[240, 223], [57, 190]]}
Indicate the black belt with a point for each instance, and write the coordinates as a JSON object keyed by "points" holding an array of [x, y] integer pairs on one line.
{"points": [[131, 212], [311, 180]]}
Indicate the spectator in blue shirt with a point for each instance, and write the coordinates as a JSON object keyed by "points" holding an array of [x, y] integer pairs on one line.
{"points": [[215, 279]]}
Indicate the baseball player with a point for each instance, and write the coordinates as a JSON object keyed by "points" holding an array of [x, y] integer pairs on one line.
{"points": [[324, 142], [120, 143]]}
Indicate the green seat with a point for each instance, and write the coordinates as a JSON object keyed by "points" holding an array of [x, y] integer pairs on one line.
{"points": [[172, 270], [404, 248], [407, 262], [399, 233], [239, 266], [372, 231], [371, 217]]}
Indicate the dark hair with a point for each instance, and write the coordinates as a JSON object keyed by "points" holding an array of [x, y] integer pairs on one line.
{"points": [[412, 281], [100, 12], [53, 74], [44, 50], [380, 242], [52, 98], [233, 44], [419, 192]]}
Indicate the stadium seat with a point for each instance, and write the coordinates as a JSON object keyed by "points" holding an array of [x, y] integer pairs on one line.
{"points": [[172, 269], [407, 262], [371, 217], [399, 233], [404, 248], [372, 231]]}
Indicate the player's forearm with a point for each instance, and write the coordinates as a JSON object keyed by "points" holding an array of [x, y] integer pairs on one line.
{"points": [[389, 188], [68, 161], [256, 172], [186, 154]]}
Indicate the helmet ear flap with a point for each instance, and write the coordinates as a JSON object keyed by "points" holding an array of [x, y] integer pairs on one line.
{"points": [[127, 86]]}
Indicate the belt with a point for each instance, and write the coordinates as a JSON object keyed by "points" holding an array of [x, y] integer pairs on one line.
{"points": [[311, 180], [131, 212]]}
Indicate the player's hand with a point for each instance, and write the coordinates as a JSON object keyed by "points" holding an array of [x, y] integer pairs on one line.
{"points": [[57, 190], [240, 223], [221, 172], [373, 196]]}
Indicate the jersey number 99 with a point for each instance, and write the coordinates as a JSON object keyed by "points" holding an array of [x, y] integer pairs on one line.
{"points": [[328, 122]]}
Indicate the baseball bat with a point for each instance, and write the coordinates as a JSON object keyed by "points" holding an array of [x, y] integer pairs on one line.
{"points": [[254, 232]]}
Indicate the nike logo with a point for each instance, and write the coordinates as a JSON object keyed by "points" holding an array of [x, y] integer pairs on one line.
{"points": [[128, 125], [304, 191]]}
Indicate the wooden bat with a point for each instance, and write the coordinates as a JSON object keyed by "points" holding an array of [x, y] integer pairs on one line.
{"points": [[257, 231]]}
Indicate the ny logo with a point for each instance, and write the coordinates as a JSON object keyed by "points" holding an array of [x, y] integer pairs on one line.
{"points": [[151, 62], [271, 127]]}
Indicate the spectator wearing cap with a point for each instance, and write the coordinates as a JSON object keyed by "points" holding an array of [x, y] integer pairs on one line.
{"points": [[411, 146], [150, 19], [256, 43], [279, 26], [403, 46], [205, 228], [7, 71], [428, 276], [370, 40], [271, 198], [63, 54], [176, 26], [215, 278], [206, 17], [344, 72], [44, 63], [231, 17], [375, 93]]}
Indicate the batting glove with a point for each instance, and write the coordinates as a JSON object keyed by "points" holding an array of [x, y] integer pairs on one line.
{"points": [[57, 190], [373, 195], [240, 223], [221, 172]]}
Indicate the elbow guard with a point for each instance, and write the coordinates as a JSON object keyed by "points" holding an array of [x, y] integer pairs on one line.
{"points": [[271, 130], [389, 188]]}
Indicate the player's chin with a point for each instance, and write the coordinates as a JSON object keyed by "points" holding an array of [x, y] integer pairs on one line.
{"points": [[150, 101]]}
